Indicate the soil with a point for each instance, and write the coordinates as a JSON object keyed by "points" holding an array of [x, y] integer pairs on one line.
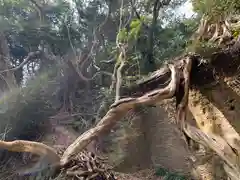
{"points": [[147, 174]]}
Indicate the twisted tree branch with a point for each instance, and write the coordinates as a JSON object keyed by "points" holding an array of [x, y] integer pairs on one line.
{"points": [[116, 112]]}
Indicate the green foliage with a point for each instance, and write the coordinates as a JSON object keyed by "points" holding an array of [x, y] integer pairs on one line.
{"points": [[169, 175], [173, 39], [123, 35], [236, 33], [131, 34], [135, 27], [66, 26], [216, 9]]}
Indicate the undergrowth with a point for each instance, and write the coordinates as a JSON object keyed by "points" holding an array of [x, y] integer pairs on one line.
{"points": [[159, 171]]}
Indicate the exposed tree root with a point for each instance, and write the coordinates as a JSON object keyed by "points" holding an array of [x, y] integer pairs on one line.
{"points": [[211, 120], [217, 32]]}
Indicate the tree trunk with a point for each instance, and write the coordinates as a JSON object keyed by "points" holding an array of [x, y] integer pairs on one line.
{"points": [[8, 81]]}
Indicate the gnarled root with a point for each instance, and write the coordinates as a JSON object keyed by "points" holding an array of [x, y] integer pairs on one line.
{"points": [[218, 32]]}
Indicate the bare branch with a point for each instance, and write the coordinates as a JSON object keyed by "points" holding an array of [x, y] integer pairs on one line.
{"points": [[30, 56], [79, 67], [45, 152], [117, 111], [122, 57]]}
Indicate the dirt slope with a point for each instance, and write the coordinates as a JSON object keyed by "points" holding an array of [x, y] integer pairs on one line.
{"points": [[145, 139]]}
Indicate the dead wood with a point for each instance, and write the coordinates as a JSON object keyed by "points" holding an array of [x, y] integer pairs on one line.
{"points": [[89, 166], [40, 149], [85, 165], [169, 81], [117, 111], [211, 118]]}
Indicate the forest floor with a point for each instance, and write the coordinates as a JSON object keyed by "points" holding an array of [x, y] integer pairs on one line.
{"points": [[62, 136], [147, 174]]}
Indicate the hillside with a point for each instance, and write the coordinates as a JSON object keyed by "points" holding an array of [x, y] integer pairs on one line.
{"points": [[120, 89]]}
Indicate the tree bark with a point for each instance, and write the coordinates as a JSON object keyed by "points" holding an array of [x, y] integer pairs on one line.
{"points": [[8, 81]]}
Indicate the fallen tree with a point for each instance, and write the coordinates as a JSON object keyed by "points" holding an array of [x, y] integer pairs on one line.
{"points": [[173, 80]]}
